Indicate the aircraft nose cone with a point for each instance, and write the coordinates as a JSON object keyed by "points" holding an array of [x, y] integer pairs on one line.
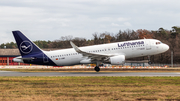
{"points": [[166, 47]]}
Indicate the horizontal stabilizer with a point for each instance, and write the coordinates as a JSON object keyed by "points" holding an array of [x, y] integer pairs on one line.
{"points": [[26, 58]]}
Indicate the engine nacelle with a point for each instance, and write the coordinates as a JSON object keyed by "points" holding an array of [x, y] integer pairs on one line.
{"points": [[86, 61], [117, 60]]}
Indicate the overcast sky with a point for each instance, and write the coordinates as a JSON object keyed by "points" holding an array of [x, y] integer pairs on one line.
{"points": [[51, 19]]}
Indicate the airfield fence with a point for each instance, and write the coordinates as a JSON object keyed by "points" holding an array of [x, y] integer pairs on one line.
{"points": [[163, 65], [77, 67], [84, 66]]}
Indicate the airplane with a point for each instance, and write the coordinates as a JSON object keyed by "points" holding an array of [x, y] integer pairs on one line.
{"points": [[111, 53]]}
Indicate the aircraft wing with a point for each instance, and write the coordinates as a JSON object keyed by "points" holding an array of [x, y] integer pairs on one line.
{"points": [[92, 56]]}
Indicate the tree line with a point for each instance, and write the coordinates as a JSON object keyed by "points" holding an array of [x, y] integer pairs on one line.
{"points": [[170, 37]]}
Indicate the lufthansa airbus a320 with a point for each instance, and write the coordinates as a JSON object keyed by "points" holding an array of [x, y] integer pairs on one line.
{"points": [[111, 53]]}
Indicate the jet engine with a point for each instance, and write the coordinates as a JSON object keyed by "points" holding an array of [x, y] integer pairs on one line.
{"points": [[117, 60]]}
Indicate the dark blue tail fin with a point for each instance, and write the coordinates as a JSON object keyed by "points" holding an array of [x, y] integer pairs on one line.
{"points": [[26, 47], [31, 53]]}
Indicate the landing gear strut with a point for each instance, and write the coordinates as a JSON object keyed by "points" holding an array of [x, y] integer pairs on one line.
{"points": [[149, 60], [97, 69]]}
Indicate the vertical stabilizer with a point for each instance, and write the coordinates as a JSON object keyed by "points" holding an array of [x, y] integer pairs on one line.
{"points": [[30, 53], [25, 45]]}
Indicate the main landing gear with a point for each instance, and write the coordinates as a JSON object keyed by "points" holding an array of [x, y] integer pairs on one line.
{"points": [[149, 60], [97, 69]]}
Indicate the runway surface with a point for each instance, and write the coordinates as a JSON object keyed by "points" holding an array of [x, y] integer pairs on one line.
{"points": [[10, 73]]}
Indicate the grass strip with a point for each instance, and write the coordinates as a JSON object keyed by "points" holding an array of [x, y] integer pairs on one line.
{"points": [[89, 88]]}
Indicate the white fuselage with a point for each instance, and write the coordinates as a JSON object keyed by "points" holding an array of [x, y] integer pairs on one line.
{"points": [[129, 49]]}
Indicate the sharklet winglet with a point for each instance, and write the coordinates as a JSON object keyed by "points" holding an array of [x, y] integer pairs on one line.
{"points": [[75, 47]]}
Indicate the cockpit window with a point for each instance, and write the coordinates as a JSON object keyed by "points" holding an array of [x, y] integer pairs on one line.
{"points": [[158, 43]]}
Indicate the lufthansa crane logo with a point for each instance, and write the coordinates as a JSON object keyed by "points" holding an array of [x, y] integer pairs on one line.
{"points": [[26, 47]]}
